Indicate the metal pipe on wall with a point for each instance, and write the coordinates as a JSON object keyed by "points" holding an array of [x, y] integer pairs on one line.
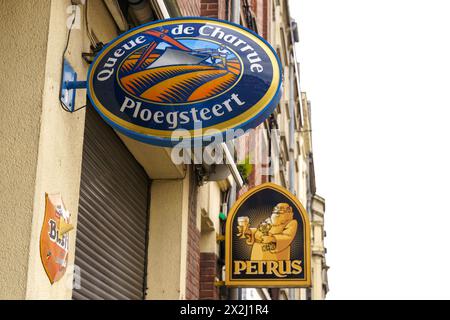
{"points": [[291, 126], [235, 293], [235, 11]]}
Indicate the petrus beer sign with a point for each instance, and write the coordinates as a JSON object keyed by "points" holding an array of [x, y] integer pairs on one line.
{"points": [[268, 240], [196, 77]]}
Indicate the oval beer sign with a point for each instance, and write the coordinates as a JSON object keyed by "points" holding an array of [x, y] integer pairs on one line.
{"points": [[197, 78]]}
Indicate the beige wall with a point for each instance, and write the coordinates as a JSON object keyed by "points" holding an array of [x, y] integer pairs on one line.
{"points": [[166, 269], [319, 267], [155, 160], [41, 145], [22, 69], [61, 139], [209, 202]]}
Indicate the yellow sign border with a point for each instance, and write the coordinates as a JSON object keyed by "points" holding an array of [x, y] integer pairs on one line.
{"points": [[306, 281]]}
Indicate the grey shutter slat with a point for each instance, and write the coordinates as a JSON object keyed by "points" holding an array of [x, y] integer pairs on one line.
{"points": [[112, 217]]}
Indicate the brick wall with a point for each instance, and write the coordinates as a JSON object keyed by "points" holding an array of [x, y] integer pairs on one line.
{"points": [[213, 8], [189, 8], [264, 15], [193, 244], [208, 272], [260, 10], [218, 9]]}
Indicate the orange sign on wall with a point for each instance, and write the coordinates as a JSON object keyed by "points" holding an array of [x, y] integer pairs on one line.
{"points": [[54, 239]]}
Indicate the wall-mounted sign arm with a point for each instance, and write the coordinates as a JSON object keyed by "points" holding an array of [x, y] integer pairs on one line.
{"points": [[232, 165], [69, 85]]}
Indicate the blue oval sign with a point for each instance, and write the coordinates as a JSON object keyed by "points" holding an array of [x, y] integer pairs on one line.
{"points": [[199, 78]]}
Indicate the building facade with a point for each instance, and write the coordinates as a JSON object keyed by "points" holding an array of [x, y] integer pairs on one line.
{"points": [[145, 228]]}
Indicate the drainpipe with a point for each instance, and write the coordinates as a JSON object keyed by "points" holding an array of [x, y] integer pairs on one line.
{"points": [[292, 64], [235, 11], [291, 126], [235, 17], [235, 293]]}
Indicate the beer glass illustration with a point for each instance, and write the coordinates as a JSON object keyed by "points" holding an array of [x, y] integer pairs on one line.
{"points": [[243, 224]]}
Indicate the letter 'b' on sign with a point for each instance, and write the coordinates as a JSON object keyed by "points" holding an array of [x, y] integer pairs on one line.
{"points": [[268, 240], [200, 77]]}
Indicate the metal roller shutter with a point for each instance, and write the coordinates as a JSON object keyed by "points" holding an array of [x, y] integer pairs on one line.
{"points": [[112, 218]]}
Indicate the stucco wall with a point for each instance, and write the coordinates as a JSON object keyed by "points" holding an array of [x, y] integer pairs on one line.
{"points": [[22, 66], [209, 207], [166, 269], [61, 137]]}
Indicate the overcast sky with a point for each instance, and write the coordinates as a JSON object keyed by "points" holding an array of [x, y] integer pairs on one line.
{"points": [[378, 75]]}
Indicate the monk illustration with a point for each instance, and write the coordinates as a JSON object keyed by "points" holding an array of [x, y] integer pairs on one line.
{"points": [[272, 239]]}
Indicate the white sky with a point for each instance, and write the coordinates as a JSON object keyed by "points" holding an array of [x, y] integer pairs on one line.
{"points": [[377, 74]]}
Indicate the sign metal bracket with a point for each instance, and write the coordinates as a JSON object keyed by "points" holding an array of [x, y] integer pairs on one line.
{"points": [[220, 237], [69, 85], [218, 283]]}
